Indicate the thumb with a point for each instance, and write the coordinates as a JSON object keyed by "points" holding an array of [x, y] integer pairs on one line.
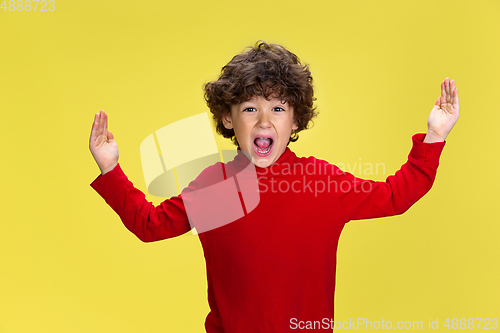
{"points": [[438, 102], [110, 136]]}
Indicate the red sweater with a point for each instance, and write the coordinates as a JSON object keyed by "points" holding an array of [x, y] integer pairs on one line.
{"points": [[275, 266]]}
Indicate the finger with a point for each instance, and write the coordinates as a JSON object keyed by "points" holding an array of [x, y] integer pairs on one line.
{"points": [[97, 131], [456, 103], [110, 136], [105, 124], [452, 91], [447, 87], [438, 102], [101, 122], [443, 93], [94, 128], [104, 121]]}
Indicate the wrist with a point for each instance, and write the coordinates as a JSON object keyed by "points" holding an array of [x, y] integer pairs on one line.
{"points": [[431, 137], [106, 170]]}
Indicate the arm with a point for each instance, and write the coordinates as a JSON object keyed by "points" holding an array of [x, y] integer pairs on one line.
{"points": [[369, 199], [102, 144], [444, 114], [141, 217], [364, 199]]}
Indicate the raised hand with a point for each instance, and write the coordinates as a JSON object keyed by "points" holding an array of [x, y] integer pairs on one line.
{"points": [[102, 144], [444, 114]]}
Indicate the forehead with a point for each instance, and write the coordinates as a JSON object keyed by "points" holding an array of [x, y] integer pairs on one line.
{"points": [[262, 99]]}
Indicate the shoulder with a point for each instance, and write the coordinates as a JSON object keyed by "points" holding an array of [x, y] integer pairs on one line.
{"points": [[211, 175], [200, 176]]}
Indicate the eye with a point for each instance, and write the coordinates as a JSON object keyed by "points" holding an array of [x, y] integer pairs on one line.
{"points": [[279, 109], [249, 109]]}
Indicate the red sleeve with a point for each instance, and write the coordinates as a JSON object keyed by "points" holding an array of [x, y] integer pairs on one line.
{"points": [[141, 217], [364, 199]]}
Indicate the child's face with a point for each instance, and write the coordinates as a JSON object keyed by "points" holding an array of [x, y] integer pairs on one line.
{"points": [[262, 128]]}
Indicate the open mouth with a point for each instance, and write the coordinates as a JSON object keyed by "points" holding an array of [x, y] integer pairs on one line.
{"points": [[263, 146]]}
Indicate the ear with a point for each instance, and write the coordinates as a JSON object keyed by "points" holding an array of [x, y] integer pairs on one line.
{"points": [[226, 120], [295, 124]]}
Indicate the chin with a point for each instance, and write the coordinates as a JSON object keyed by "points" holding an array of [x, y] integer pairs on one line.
{"points": [[262, 163]]}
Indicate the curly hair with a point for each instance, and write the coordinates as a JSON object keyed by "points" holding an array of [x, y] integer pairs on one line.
{"points": [[263, 70]]}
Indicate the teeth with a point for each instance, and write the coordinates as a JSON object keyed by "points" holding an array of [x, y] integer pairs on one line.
{"points": [[263, 151]]}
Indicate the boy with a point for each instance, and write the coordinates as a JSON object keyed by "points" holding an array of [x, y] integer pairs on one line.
{"points": [[273, 270]]}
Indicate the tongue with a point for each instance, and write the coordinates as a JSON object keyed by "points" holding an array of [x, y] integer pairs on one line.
{"points": [[263, 143]]}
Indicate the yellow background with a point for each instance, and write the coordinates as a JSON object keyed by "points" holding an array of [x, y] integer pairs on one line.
{"points": [[67, 263]]}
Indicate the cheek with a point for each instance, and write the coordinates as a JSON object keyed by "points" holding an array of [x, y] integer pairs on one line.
{"points": [[242, 134]]}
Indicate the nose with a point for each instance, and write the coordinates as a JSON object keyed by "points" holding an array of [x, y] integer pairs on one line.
{"points": [[264, 120]]}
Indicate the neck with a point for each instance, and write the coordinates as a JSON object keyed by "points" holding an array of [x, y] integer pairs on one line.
{"points": [[287, 158]]}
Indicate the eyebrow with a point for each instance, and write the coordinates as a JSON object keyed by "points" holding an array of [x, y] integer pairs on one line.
{"points": [[280, 100]]}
